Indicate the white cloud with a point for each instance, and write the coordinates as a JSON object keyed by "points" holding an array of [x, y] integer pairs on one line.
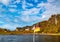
{"points": [[50, 10], [16, 20], [12, 6], [35, 18], [7, 26], [29, 4], [24, 4], [43, 16], [10, 26], [57, 3], [25, 15], [5, 2], [31, 11], [12, 10], [41, 4], [25, 18], [28, 19], [17, 1], [50, 0]]}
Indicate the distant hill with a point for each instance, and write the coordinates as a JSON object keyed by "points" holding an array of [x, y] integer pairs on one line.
{"points": [[52, 25]]}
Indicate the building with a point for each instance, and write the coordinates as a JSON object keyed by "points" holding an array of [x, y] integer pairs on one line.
{"points": [[19, 29], [27, 29], [36, 28]]}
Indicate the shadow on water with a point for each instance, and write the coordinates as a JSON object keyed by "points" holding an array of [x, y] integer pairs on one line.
{"points": [[45, 38], [29, 38]]}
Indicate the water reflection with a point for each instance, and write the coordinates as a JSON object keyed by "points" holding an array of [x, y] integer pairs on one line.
{"points": [[29, 38], [16, 38], [45, 38]]}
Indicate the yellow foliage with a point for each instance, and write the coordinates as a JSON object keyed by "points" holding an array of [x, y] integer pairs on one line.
{"points": [[37, 29]]}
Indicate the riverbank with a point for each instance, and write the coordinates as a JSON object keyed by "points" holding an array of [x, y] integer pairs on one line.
{"points": [[58, 34], [47, 34]]}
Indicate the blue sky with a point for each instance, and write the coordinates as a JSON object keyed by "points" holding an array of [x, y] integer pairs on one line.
{"points": [[19, 13]]}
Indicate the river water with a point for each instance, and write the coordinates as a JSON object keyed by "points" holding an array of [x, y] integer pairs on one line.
{"points": [[29, 38]]}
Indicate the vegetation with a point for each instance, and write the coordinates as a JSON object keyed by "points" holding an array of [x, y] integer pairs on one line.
{"points": [[52, 25]]}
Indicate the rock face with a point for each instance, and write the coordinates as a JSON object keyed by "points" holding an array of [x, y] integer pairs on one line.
{"points": [[52, 25]]}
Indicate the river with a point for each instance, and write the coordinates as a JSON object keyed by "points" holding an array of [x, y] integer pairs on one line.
{"points": [[29, 38]]}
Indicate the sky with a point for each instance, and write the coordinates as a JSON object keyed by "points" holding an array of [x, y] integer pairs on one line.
{"points": [[20, 13]]}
